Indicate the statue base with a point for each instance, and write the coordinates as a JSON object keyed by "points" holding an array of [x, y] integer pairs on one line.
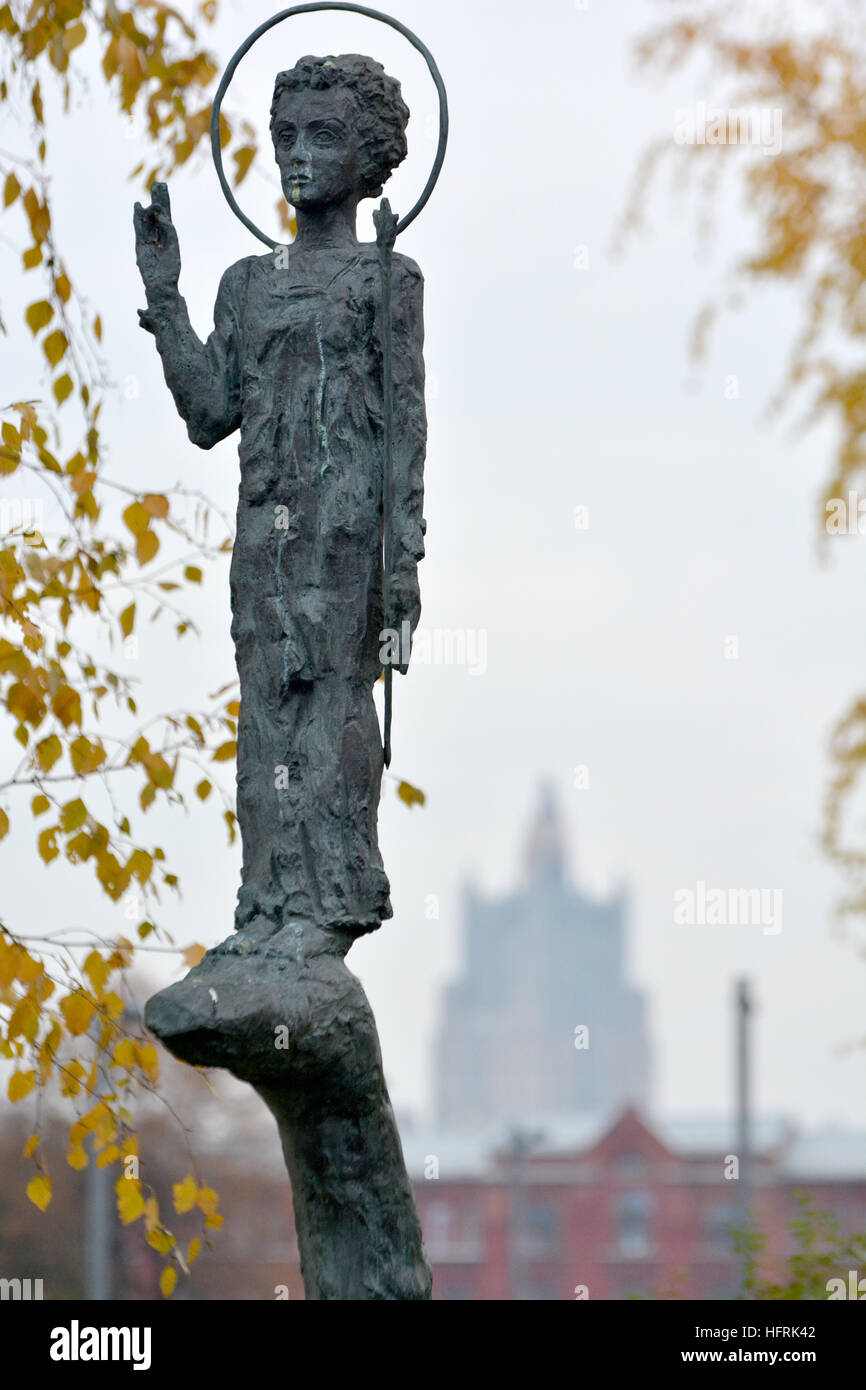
{"points": [[281, 1010]]}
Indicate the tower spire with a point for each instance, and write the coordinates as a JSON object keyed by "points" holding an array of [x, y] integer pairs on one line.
{"points": [[544, 854]]}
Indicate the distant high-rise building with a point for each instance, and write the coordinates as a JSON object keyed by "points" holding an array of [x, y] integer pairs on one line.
{"points": [[542, 1020]]}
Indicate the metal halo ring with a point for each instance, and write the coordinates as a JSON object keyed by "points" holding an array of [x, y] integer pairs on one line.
{"points": [[308, 9]]}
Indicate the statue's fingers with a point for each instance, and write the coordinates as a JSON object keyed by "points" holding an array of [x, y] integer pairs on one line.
{"points": [[159, 199]]}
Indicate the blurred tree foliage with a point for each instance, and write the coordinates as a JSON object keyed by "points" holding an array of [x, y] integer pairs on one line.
{"points": [[54, 1248], [821, 1256], [71, 599], [808, 207]]}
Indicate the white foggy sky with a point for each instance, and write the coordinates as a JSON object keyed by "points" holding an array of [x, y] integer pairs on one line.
{"points": [[556, 386]]}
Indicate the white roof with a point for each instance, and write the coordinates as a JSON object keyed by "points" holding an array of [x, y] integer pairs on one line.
{"points": [[828, 1154], [707, 1136], [469, 1155]]}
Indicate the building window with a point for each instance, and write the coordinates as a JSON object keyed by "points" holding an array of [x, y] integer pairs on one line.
{"points": [[541, 1228], [543, 1293], [438, 1224], [719, 1219], [633, 1225]]}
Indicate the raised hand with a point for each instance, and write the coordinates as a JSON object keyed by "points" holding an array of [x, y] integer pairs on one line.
{"points": [[157, 249]]}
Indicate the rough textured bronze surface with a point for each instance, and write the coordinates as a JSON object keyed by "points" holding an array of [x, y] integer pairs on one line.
{"points": [[295, 363]]}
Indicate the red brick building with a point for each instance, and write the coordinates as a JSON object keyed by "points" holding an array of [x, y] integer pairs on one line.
{"points": [[623, 1210]]}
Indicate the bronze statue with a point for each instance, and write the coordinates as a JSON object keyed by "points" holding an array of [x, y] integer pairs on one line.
{"points": [[295, 362]]}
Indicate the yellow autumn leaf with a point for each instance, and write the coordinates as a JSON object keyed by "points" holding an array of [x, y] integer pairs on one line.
{"points": [[167, 1281], [161, 1240], [411, 795], [146, 546], [114, 1005], [208, 1200], [193, 954], [155, 505], [31, 1146], [48, 751], [185, 1194], [39, 1191], [63, 388], [38, 314], [148, 1060], [192, 1253], [21, 1083], [27, 967], [97, 971], [24, 1021], [47, 844], [73, 35], [127, 620], [124, 1053], [54, 346], [243, 158], [73, 815], [225, 751], [136, 518], [77, 1012], [70, 1078], [130, 1202], [76, 1156]]}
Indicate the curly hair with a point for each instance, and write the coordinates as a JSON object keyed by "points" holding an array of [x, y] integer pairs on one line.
{"points": [[382, 112]]}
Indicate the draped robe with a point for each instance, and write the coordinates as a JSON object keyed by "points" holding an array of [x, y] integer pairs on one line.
{"points": [[295, 362]]}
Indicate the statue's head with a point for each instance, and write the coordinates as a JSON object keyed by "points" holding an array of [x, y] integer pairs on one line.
{"points": [[338, 127]]}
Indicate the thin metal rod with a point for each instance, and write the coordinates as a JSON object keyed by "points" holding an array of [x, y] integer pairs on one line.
{"points": [[386, 228], [744, 1136]]}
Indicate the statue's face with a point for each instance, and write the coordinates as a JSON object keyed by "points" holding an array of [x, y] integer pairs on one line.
{"points": [[317, 147]]}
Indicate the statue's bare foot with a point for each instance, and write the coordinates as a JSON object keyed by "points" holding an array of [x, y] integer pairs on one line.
{"points": [[273, 1007]]}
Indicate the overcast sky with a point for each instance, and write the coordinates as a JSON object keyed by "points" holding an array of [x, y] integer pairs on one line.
{"points": [[559, 378]]}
